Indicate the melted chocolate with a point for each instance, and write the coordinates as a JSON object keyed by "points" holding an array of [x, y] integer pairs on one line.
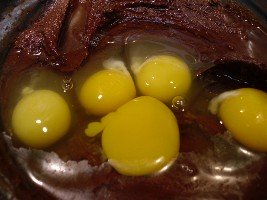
{"points": [[211, 164]]}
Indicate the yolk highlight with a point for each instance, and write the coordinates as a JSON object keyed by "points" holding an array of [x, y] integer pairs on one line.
{"points": [[163, 77], [244, 114], [105, 91], [140, 138], [41, 118]]}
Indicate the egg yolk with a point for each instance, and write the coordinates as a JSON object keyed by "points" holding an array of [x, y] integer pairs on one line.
{"points": [[140, 138], [41, 118], [244, 113], [105, 91], [163, 77]]}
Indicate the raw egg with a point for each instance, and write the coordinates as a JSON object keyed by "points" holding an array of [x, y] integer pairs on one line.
{"points": [[106, 90], [163, 77], [41, 118], [244, 113], [141, 137]]}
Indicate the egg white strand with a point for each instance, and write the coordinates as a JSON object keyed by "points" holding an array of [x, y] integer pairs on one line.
{"points": [[216, 101], [116, 64]]}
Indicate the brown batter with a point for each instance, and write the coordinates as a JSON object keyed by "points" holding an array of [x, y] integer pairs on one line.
{"points": [[222, 33]]}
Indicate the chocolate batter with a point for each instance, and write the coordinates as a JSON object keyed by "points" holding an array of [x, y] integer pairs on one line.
{"points": [[210, 166]]}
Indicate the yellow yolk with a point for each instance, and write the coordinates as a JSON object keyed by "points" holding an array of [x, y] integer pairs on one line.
{"points": [[140, 138], [163, 77], [41, 118], [105, 91], [244, 113]]}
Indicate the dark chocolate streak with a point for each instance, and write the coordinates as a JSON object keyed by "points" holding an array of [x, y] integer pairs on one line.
{"points": [[69, 31]]}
